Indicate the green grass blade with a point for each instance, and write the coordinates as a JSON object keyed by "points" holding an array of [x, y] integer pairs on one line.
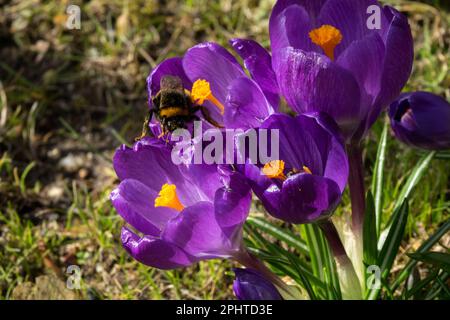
{"points": [[316, 249], [427, 245], [24, 175], [390, 248], [416, 291], [438, 286], [417, 173], [281, 234], [414, 178], [378, 176], [284, 261], [438, 259], [322, 261], [302, 278], [334, 281], [370, 251]]}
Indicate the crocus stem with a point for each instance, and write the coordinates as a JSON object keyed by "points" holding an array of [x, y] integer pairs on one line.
{"points": [[250, 261], [356, 185], [348, 279], [334, 241]]}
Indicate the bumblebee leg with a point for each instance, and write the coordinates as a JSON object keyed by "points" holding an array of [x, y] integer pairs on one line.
{"points": [[145, 128], [207, 116], [163, 127]]}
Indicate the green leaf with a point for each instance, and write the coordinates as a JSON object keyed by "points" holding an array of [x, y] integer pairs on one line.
{"points": [[438, 259], [439, 285], [334, 281], [283, 261], [283, 235], [427, 245], [24, 175], [322, 261], [391, 245], [441, 155], [417, 173], [414, 178], [370, 250], [303, 279], [315, 245], [378, 176]]}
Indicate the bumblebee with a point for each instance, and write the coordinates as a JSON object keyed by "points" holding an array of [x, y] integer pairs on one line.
{"points": [[174, 108]]}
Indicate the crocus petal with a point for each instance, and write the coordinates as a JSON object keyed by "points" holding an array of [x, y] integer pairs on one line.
{"points": [[350, 17], [330, 145], [310, 140], [134, 201], [197, 232], [150, 162], [232, 203], [146, 162], [311, 82], [290, 28], [215, 64], [154, 252], [422, 120], [173, 67], [259, 63], [204, 176], [312, 7], [250, 285], [363, 59], [306, 198], [246, 106], [397, 62], [297, 147], [264, 188]]}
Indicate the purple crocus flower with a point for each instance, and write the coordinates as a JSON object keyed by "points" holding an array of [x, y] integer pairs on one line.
{"points": [[328, 56], [307, 182], [216, 80], [186, 213], [250, 285], [422, 120]]}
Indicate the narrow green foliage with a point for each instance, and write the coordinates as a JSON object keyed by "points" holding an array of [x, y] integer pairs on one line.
{"points": [[378, 176], [370, 250], [390, 248], [281, 234], [426, 245], [438, 259], [414, 178]]}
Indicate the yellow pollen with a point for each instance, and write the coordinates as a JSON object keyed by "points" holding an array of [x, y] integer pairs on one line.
{"points": [[307, 170], [167, 197], [274, 169], [201, 91], [327, 37]]}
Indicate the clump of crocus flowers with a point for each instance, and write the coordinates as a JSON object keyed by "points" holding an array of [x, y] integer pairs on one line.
{"points": [[338, 76]]}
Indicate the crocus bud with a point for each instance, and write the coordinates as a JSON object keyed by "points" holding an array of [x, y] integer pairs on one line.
{"points": [[422, 120], [250, 285]]}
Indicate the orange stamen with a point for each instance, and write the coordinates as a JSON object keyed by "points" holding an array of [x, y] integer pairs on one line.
{"points": [[167, 197], [307, 170], [274, 170], [327, 37], [201, 91]]}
